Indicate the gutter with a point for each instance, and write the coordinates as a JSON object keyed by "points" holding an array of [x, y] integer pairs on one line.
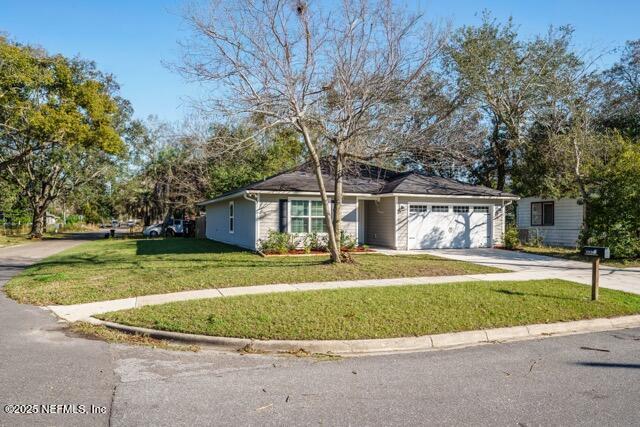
{"points": [[373, 196]]}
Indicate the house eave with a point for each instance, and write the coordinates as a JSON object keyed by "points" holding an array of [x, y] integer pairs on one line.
{"points": [[452, 196], [222, 198], [241, 193]]}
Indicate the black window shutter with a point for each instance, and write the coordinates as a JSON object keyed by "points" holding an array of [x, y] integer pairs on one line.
{"points": [[283, 211]]}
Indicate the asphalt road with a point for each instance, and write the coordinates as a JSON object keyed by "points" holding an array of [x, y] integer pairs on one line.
{"points": [[590, 379]]}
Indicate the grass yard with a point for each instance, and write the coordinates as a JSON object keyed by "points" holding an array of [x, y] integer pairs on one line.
{"points": [[361, 313], [120, 268], [11, 240], [20, 239], [574, 254]]}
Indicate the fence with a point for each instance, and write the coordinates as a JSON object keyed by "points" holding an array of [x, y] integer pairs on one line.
{"points": [[201, 227]]}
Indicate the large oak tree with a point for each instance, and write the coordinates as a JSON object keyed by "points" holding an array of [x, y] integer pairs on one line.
{"points": [[59, 124]]}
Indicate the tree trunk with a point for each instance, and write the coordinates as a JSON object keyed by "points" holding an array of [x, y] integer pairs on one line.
{"points": [[500, 154], [337, 198], [38, 221], [501, 173], [577, 170], [334, 249]]}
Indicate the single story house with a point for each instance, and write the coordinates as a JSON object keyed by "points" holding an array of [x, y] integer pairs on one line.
{"points": [[381, 207], [556, 221]]}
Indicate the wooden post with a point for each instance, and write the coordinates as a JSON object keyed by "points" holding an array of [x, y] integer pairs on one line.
{"points": [[595, 278]]}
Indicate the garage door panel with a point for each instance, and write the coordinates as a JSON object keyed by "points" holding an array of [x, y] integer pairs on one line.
{"points": [[433, 230]]}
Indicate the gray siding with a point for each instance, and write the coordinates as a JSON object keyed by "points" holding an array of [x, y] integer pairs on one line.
{"points": [[380, 222], [350, 216], [268, 214], [362, 220], [244, 219], [402, 224], [568, 219]]}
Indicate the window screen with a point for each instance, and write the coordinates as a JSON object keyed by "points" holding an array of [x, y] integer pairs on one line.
{"points": [[542, 213]]}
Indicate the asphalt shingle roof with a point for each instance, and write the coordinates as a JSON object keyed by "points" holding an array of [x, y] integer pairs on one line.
{"points": [[370, 179]]}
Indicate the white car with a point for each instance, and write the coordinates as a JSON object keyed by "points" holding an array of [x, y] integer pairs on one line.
{"points": [[153, 230]]}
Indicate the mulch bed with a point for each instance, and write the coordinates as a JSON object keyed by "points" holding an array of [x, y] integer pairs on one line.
{"points": [[300, 252]]}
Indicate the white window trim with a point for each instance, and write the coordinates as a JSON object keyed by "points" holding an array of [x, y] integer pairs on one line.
{"points": [[231, 218], [309, 216]]}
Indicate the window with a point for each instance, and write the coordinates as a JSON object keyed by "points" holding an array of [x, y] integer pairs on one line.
{"points": [[542, 213], [417, 208], [307, 216], [481, 209], [231, 217], [439, 208], [461, 209]]}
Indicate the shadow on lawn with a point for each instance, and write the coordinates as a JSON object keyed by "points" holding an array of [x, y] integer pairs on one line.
{"points": [[181, 245], [532, 294]]}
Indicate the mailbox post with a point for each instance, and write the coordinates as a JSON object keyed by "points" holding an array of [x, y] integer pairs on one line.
{"points": [[596, 253]]}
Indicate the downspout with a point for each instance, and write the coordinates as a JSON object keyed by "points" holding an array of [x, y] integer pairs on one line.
{"points": [[256, 228]]}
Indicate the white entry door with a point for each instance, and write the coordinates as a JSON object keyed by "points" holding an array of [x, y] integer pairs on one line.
{"points": [[448, 226]]}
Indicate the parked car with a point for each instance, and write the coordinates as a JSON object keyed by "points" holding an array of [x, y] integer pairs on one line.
{"points": [[153, 230], [174, 227]]}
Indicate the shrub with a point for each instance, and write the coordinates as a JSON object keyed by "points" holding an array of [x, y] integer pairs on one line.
{"points": [[621, 238], [315, 242], [534, 238], [613, 211], [73, 219], [347, 241], [277, 242], [511, 238]]}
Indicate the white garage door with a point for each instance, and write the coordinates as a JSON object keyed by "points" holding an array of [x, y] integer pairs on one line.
{"points": [[448, 226]]}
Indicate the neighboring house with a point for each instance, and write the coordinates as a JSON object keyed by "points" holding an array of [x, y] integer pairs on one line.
{"points": [[557, 222], [51, 219], [381, 207], [51, 222]]}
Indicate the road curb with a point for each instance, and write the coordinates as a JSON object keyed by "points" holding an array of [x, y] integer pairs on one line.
{"points": [[390, 345]]}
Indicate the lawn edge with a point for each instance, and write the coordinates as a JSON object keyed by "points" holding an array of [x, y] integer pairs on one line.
{"points": [[390, 345]]}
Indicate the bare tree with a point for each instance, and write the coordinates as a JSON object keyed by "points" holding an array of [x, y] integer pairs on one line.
{"points": [[343, 80]]}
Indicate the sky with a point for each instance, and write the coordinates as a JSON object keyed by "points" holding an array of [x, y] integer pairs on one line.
{"points": [[135, 39]]}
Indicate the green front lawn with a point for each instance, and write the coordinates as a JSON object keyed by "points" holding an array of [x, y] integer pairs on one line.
{"points": [[360, 313], [575, 255], [111, 269], [11, 240]]}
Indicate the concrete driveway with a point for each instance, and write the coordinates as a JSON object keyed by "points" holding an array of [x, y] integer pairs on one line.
{"points": [[625, 279]]}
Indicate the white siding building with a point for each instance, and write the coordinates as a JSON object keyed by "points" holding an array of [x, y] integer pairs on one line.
{"points": [[557, 222]]}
